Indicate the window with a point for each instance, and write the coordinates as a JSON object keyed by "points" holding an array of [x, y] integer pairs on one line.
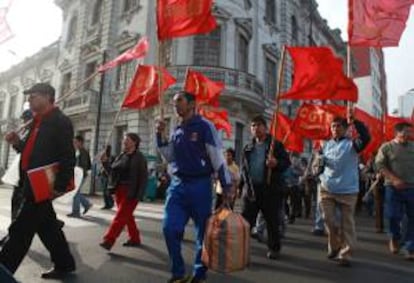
{"points": [[72, 29], [89, 70], [238, 141], [243, 53], [271, 11], [12, 106], [97, 11], [124, 75], [65, 86], [270, 78], [294, 26], [207, 48]]}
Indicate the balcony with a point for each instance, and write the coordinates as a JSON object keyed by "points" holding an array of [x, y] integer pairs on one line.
{"points": [[239, 84], [85, 101]]}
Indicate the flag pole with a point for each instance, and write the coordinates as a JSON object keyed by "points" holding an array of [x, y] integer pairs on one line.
{"points": [[278, 93], [350, 105]]}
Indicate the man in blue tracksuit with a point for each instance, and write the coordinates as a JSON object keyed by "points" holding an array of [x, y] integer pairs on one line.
{"points": [[194, 153]]}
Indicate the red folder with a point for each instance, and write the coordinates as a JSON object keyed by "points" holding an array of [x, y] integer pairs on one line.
{"points": [[42, 180]]}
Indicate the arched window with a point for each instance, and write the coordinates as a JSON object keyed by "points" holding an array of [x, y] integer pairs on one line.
{"points": [[243, 53], [72, 29], [97, 11]]}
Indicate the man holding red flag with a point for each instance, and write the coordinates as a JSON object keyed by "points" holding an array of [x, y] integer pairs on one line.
{"points": [[194, 153], [339, 186]]}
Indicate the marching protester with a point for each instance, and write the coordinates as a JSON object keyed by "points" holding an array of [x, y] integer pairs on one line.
{"points": [[395, 161], [339, 186], [83, 161], [49, 141], [128, 178], [194, 152], [234, 170], [17, 196], [104, 172], [257, 194]]}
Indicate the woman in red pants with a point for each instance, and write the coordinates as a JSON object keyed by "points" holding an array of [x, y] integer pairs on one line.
{"points": [[128, 176]]}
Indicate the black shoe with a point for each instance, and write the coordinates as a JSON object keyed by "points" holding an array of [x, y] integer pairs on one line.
{"points": [[273, 254], [106, 207], [107, 246], [55, 273], [87, 208], [74, 215], [130, 243], [332, 254]]}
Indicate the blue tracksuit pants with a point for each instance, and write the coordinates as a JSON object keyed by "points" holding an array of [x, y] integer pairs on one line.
{"points": [[186, 198]]}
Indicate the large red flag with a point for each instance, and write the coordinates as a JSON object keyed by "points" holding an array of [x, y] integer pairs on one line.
{"points": [[319, 75], [144, 91], [137, 52], [375, 128], [377, 23], [219, 117], [285, 134], [205, 90], [176, 18]]}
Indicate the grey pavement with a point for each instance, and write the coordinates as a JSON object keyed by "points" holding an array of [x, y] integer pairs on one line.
{"points": [[303, 256]]}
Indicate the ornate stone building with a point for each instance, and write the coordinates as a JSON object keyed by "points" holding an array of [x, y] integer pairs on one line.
{"points": [[244, 52]]}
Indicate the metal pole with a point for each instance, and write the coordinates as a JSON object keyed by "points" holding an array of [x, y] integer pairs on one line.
{"points": [[92, 190]]}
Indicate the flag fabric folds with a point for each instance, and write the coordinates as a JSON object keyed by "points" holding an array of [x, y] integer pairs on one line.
{"points": [[281, 129], [318, 74], [177, 18], [377, 23], [137, 52], [219, 117], [205, 90], [144, 90]]}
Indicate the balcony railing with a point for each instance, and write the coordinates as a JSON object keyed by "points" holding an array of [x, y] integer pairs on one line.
{"points": [[232, 78], [78, 103]]}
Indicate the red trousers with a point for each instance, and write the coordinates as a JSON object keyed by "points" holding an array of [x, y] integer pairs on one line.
{"points": [[124, 216]]}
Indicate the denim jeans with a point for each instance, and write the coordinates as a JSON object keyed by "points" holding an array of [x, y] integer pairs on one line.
{"points": [[400, 204], [79, 199]]}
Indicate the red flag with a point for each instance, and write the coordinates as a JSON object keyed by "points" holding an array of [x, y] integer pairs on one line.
{"points": [[176, 18], [313, 121], [319, 75], [375, 128], [137, 52], [5, 31], [205, 90], [219, 117], [144, 90], [284, 133], [390, 123], [377, 23]]}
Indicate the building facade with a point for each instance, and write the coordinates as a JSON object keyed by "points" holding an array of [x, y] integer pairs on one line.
{"points": [[369, 76], [406, 104], [243, 52]]}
